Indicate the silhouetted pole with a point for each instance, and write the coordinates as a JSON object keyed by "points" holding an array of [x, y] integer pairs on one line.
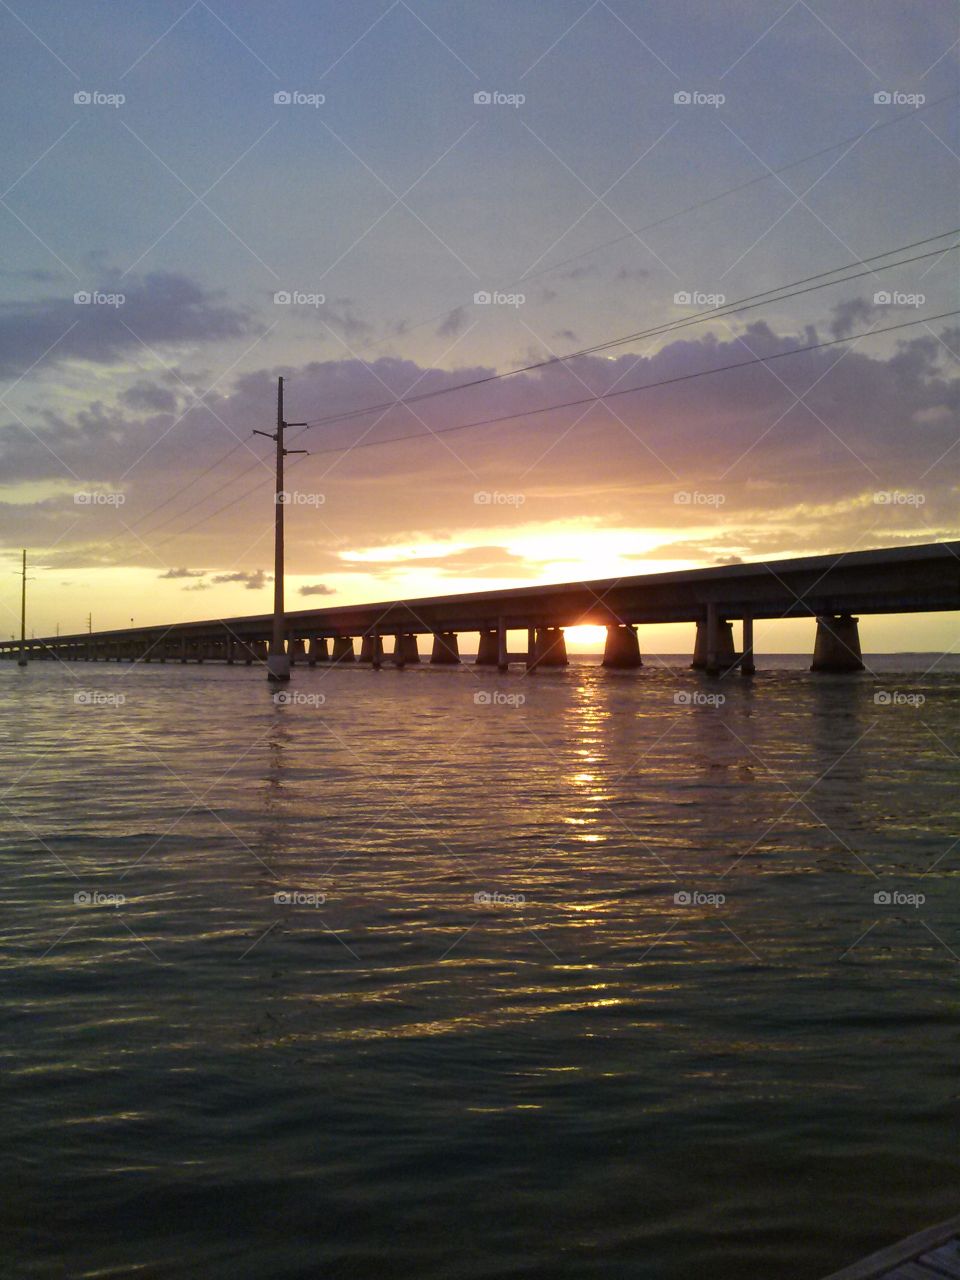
{"points": [[22, 660], [278, 661]]}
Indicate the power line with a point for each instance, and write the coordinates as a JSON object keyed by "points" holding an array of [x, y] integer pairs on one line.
{"points": [[570, 404], [691, 208], [647, 386], [733, 308], [182, 490]]}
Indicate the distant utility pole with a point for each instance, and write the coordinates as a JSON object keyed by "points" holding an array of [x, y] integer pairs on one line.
{"points": [[89, 624], [278, 661], [22, 660]]}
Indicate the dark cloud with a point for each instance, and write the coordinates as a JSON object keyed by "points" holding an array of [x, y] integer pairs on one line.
{"points": [[183, 573], [583, 272], [148, 396], [453, 324], [790, 474], [253, 581], [317, 589], [855, 313], [158, 309], [340, 314], [632, 273]]}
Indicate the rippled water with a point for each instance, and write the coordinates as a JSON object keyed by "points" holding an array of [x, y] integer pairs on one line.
{"points": [[575, 1074]]}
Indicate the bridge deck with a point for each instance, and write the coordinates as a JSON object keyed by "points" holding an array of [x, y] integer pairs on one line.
{"points": [[913, 579]]}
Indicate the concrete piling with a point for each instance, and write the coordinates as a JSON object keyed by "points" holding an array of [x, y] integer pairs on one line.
{"points": [[747, 663], [446, 649], [622, 649], [488, 649], [317, 651], [406, 650], [343, 649], [371, 649], [551, 647], [837, 646]]}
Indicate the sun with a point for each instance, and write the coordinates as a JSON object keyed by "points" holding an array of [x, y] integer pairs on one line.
{"points": [[585, 634]]}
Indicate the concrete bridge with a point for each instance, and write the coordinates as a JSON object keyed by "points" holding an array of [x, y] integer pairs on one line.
{"points": [[832, 589]]}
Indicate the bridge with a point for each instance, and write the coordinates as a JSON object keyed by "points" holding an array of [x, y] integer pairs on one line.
{"points": [[834, 590]]}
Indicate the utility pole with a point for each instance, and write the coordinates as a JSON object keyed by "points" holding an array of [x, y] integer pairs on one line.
{"points": [[278, 661], [89, 624], [22, 660]]}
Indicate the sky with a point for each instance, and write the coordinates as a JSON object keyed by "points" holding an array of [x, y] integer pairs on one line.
{"points": [[200, 197]]}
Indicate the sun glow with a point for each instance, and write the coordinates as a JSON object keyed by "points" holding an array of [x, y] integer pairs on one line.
{"points": [[586, 634]]}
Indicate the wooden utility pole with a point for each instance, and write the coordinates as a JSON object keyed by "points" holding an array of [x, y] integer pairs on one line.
{"points": [[278, 661], [22, 660]]}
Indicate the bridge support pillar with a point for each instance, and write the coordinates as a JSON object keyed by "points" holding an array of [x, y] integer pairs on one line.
{"points": [[503, 660], [713, 651], [318, 650], [622, 649], [296, 651], [371, 649], [343, 649], [837, 646], [488, 649], [551, 647], [446, 649], [406, 652], [747, 663]]}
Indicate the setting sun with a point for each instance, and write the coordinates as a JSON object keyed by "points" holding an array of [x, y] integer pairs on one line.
{"points": [[586, 635]]}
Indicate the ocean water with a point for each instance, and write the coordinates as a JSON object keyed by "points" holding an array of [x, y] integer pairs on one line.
{"points": [[439, 973]]}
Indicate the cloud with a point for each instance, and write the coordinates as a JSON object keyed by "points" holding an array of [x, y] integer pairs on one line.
{"points": [[253, 581], [341, 314], [160, 309], [855, 313], [453, 324], [793, 475], [632, 273], [147, 395], [183, 573], [317, 589]]}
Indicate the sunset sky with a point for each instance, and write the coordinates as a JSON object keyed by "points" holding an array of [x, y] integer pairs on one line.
{"points": [[381, 198]]}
